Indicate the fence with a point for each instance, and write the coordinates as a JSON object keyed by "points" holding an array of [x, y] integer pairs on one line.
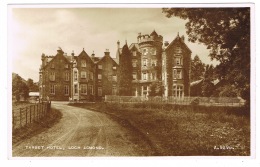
{"points": [[206, 101], [25, 116]]}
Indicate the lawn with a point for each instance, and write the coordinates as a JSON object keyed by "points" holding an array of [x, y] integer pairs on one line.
{"points": [[186, 130]]}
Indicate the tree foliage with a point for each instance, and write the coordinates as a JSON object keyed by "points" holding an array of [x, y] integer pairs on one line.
{"points": [[19, 88], [33, 87], [226, 32], [197, 69], [155, 89], [125, 72]]}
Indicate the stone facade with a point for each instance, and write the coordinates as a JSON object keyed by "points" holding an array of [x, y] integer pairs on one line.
{"points": [[90, 78]]}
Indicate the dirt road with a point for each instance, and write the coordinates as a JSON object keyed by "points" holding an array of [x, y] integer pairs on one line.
{"points": [[82, 133]]}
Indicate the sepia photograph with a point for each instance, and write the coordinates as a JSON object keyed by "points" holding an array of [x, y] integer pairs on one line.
{"points": [[130, 81]]}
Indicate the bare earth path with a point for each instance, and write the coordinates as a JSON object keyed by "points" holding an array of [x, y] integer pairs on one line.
{"points": [[82, 133]]}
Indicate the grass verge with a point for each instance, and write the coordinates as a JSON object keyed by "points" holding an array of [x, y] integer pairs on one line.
{"points": [[186, 130], [36, 127]]}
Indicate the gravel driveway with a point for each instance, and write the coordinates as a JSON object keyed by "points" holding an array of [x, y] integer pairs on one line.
{"points": [[81, 133]]}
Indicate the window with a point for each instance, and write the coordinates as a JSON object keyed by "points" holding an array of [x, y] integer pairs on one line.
{"points": [[144, 76], [154, 62], [66, 90], [99, 76], [83, 89], [66, 65], [83, 74], [52, 76], [114, 78], [145, 88], [100, 67], [83, 63], [145, 51], [144, 62], [99, 91], [177, 74], [114, 90], [154, 52], [134, 63], [75, 75], [67, 76], [134, 53], [76, 91], [153, 76], [52, 65], [134, 76], [52, 89], [178, 91], [114, 67], [91, 75], [90, 88], [178, 61]]}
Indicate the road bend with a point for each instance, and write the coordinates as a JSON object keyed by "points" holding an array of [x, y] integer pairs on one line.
{"points": [[80, 133]]}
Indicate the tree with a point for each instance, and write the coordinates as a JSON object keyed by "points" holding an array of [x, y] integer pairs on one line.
{"points": [[197, 69], [19, 88], [125, 72], [226, 32], [33, 87], [155, 89]]}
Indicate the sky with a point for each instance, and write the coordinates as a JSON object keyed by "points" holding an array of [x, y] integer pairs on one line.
{"points": [[33, 31]]}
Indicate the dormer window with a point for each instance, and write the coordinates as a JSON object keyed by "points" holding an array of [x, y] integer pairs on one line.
{"points": [[52, 65]]}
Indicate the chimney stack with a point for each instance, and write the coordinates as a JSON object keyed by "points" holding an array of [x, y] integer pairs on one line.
{"points": [[107, 53], [182, 38], [166, 43]]}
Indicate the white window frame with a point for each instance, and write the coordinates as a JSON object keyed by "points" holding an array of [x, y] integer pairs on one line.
{"points": [[83, 63], [144, 76], [66, 90], [145, 62], [99, 76], [83, 74], [134, 63], [67, 76], [83, 89], [76, 89], [52, 76], [91, 90], [52, 90], [75, 73], [178, 90], [134, 76]]}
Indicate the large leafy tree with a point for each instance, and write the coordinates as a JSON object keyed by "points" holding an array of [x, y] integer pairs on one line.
{"points": [[226, 32], [197, 69], [33, 87], [19, 88], [125, 72]]}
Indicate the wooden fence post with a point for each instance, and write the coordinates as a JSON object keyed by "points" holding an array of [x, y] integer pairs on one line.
{"points": [[26, 115], [20, 117], [30, 115]]}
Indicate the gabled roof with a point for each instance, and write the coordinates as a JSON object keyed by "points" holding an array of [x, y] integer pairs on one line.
{"points": [[106, 56], [178, 39], [134, 45]]}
